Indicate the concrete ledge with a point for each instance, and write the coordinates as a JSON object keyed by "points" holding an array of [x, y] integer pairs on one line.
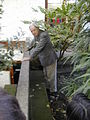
{"points": [[23, 87]]}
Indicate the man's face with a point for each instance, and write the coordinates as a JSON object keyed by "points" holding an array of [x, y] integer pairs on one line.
{"points": [[34, 30]]}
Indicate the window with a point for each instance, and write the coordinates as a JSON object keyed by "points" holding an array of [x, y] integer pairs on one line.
{"points": [[57, 3], [54, 3]]}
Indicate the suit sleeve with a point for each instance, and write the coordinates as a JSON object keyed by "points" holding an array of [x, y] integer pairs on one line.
{"points": [[41, 44]]}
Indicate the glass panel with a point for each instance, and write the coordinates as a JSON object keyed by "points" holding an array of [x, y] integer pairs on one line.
{"points": [[54, 1], [54, 5]]}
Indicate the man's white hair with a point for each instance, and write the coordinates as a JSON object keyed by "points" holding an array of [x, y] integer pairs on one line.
{"points": [[37, 25], [34, 24]]}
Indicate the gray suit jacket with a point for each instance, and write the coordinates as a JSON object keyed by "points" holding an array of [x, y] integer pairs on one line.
{"points": [[44, 49]]}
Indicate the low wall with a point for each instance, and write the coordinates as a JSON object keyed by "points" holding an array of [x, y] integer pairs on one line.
{"points": [[23, 86], [31, 93]]}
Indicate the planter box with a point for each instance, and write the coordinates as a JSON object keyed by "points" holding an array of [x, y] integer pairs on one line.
{"points": [[4, 78]]}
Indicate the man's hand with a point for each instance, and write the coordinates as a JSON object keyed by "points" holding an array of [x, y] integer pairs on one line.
{"points": [[26, 59]]}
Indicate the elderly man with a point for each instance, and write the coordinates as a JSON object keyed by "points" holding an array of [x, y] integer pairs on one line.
{"points": [[46, 54]]}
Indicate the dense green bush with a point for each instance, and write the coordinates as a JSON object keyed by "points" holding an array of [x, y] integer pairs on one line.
{"points": [[81, 51], [6, 59]]}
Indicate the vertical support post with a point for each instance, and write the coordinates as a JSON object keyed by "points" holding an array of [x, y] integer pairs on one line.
{"points": [[46, 7]]}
